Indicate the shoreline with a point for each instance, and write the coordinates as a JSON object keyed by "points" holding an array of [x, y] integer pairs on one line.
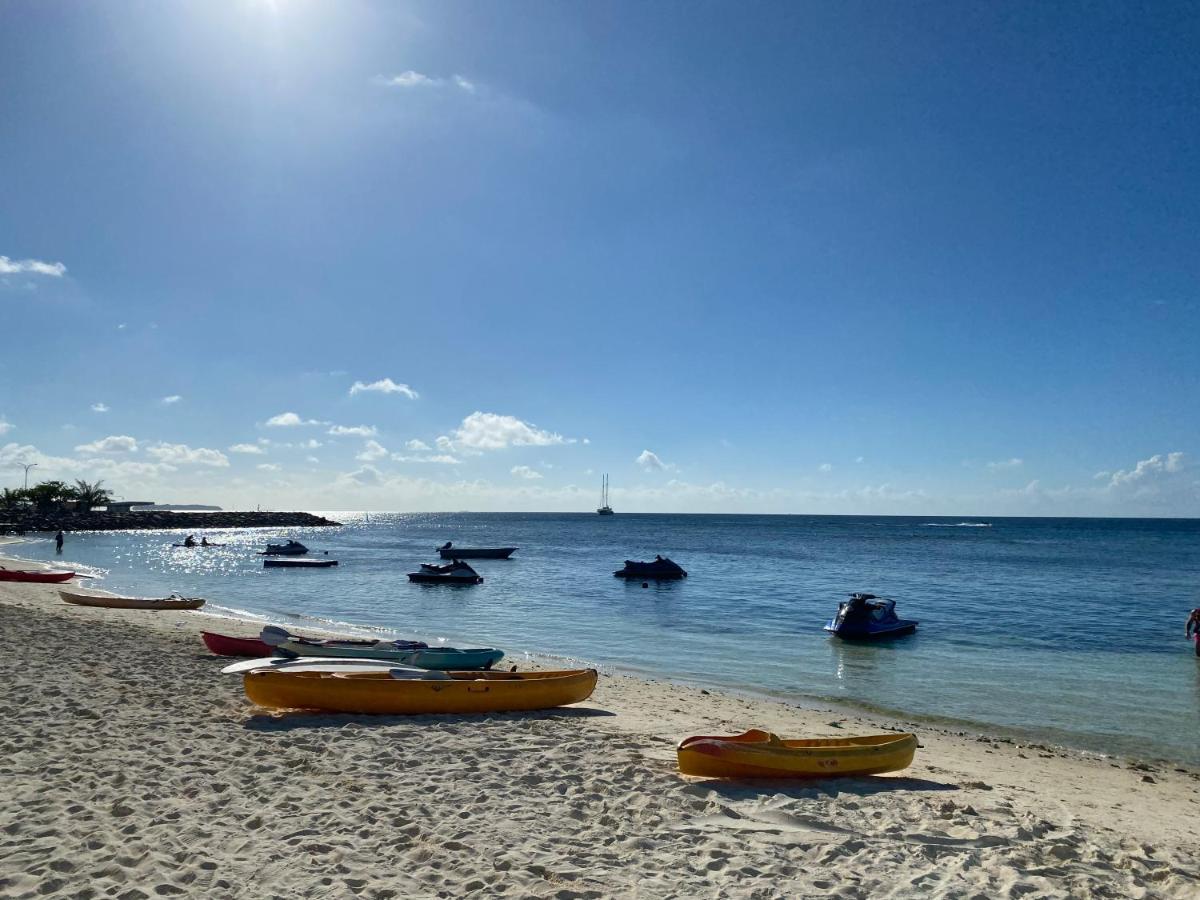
{"points": [[144, 767], [1042, 740]]}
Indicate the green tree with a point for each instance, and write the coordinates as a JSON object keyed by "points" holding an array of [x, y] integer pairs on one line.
{"points": [[11, 497], [90, 495], [47, 493]]}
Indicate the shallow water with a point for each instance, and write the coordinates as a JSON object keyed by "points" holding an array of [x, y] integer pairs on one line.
{"points": [[1071, 629]]}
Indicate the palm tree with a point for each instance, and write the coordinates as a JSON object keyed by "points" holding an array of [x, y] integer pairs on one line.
{"points": [[90, 495]]}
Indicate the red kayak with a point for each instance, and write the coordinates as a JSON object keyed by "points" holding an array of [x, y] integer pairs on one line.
{"points": [[39, 577], [224, 645]]}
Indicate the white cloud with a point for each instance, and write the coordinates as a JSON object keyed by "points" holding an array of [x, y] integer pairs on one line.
{"points": [[414, 445], [267, 467], [1156, 465], [1014, 463], [114, 443], [174, 398], [31, 267], [372, 451], [122, 327], [489, 431], [858, 459], [311, 459], [6, 426], [526, 472], [247, 448], [99, 407], [290, 420], [367, 475], [410, 80], [650, 461], [442, 458], [826, 467], [353, 430], [383, 386], [182, 454]]}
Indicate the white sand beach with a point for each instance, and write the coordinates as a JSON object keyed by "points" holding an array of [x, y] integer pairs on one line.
{"points": [[130, 768]]}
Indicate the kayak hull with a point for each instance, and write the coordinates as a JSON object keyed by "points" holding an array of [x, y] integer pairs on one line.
{"points": [[35, 577], [131, 602], [444, 658], [380, 694], [224, 645], [760, 754]]}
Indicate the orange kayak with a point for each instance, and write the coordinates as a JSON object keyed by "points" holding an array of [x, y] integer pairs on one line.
{"points": [[760, 754], [379, 693]]}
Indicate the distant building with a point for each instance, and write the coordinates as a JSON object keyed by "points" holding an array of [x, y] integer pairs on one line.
{"points": [[124, 506]]}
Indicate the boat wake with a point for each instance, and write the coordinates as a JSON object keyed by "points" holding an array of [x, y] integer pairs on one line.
{"points": [[956, 525]]}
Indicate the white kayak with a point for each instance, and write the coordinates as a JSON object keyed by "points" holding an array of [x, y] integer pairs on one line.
{"points": [[329, 664]]}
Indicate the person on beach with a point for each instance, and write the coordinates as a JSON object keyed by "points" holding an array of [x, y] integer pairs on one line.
{"points": [[58, 542], [1192, 629]]}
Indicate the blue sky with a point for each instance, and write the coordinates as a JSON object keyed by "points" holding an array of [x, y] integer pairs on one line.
{"points": [[786, 257]]}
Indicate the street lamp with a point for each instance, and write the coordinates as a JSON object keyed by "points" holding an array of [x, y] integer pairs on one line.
{"points": [[27, 467]]}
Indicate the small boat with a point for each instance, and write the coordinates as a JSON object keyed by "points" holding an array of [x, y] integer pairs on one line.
{"points": [[761, 754], [449, 551], [173, 602], [225, 645], [299, 563], [407, 653], [197, 546], [455, 573], [291, 548], [378, 693], [866, 616], [660, 569], [274, 636], [604, 509], [35, 576]]}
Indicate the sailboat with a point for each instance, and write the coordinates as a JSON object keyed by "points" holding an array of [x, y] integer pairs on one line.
{"points": [[605, 509]]}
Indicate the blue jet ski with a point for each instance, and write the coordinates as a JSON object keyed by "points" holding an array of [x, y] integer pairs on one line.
{"points": [[865, 616]]}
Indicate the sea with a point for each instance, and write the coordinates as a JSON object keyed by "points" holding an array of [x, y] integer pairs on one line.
{"points": [[1067, 631]]}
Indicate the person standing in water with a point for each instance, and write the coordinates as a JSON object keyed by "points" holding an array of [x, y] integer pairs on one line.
{"points": [[58, 542], [1192, 629]]}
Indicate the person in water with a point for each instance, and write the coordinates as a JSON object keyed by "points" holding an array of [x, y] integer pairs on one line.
{"points": [[58, 542], [1192, 629], [189, 541]]}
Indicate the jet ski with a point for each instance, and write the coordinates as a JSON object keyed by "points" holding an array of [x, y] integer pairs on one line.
{"points": [[865, 616]]}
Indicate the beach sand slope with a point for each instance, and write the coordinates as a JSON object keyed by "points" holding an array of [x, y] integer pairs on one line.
{"points": [[130, 768]]}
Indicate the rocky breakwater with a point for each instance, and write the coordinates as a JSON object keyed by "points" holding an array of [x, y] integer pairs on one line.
{"points": [[52, 520]]}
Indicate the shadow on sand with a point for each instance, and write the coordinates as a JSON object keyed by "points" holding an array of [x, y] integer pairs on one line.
{"points": [[288, 721], [857, 786]]}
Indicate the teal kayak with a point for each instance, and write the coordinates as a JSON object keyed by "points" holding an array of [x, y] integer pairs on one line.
{"points": [[443, 658]]}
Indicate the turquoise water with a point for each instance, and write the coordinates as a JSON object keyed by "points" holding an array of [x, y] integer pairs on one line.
{"points": [[1069, 629]]}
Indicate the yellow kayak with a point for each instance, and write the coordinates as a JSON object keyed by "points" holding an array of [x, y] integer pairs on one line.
{"points": [[378, 692], [760, 754]]}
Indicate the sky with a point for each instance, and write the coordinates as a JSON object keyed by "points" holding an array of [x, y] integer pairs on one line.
{"points": [[792, 257]]}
